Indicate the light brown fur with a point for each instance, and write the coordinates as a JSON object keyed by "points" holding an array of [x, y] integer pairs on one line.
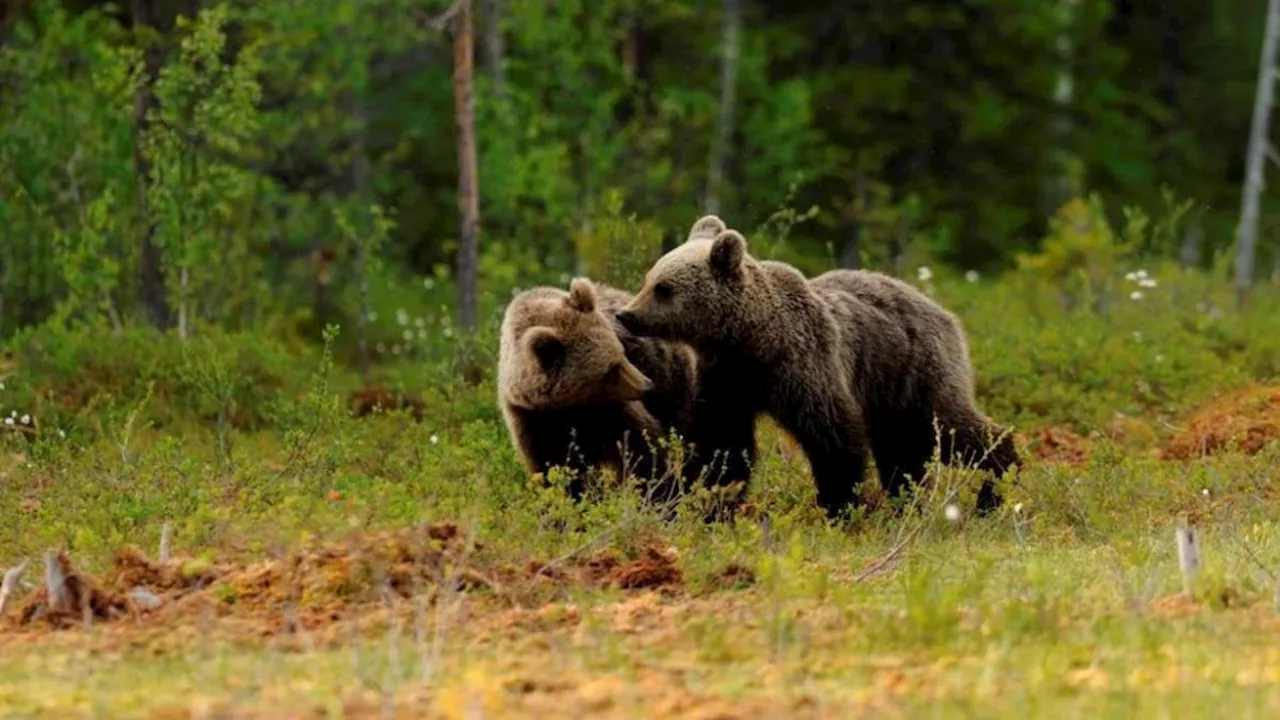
{"points": [[578, 390], [847, 360]]}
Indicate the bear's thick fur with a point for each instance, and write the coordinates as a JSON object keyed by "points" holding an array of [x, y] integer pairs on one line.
{"points": [[846, 360], [578, 390]]}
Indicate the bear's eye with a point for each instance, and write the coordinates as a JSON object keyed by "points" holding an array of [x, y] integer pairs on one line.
{"points": [[663, 291]]}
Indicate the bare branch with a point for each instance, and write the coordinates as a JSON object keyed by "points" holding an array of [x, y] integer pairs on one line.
{"points": [[441, 22]]}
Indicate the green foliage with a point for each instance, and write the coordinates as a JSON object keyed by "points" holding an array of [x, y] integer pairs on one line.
{"points": [[618, 250]]}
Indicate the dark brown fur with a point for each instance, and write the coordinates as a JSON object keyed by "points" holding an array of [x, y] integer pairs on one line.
{"points": [[847, 360], [602, 396]]}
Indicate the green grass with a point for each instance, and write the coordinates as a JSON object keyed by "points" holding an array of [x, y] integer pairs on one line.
{"points": [[1064, 604]]}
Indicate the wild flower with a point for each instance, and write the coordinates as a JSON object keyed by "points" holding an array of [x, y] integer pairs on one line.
{"points": [[435, 439], [1135, 295], [25, 419], [951, 512], [1147, 282], [407, 335], [428, 283], [420, 322], [971, 276], [402, 317], [923, 273]]}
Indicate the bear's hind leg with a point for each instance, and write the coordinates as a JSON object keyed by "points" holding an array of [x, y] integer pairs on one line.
{"points": [[834, 440], [902, 447]]}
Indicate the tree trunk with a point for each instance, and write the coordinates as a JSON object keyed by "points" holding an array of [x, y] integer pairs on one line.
{"points": [[731, 32], [468, 186], [360, 187], [495, 46], [1059, 188], [1247, 231], [150, 273], [1193, 238]]}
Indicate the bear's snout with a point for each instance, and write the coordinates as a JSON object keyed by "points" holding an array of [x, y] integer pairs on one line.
{"points": [[629, 322]]}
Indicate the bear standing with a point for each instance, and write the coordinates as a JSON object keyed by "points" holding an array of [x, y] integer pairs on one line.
{"points": [[578, 390], [847, 360]]}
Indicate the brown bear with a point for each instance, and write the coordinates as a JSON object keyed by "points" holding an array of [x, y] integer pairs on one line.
{"points": [[847, 359], [578, 390]]}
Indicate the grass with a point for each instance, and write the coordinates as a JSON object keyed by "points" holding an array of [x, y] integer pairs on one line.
{"points": [[311, 578]]}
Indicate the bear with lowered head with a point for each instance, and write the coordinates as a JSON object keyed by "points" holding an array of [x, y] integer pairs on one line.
{"points": [[847, 361], [578, 390]]}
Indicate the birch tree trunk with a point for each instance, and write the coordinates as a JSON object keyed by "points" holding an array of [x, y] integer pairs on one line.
{"points": [[468, 185], [1060, 187], [1247, 231], [732, 31], [151, 285]]}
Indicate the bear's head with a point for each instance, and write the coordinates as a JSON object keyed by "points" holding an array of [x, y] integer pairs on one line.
{"points": [[694, 293], [558, 350]]}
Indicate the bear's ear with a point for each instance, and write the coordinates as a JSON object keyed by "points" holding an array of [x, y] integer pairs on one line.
{"points": [[727, 251], [545, 345], [582, 295], [706, 228]]}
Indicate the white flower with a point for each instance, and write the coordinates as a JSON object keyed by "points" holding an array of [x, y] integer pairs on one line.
{"points": [[924, 273], [1205, 492], [420, 322], [373, 316], [402, 317], [1135, 295], [428, 283], [1, 385], [1147, 282], [1131, 276], [448, 332], [435, 439], [952, 513], [61, 434], [26, 420], [8, 421], [407, 335], [971, 276], [1140, 273], [1017, 509]]}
